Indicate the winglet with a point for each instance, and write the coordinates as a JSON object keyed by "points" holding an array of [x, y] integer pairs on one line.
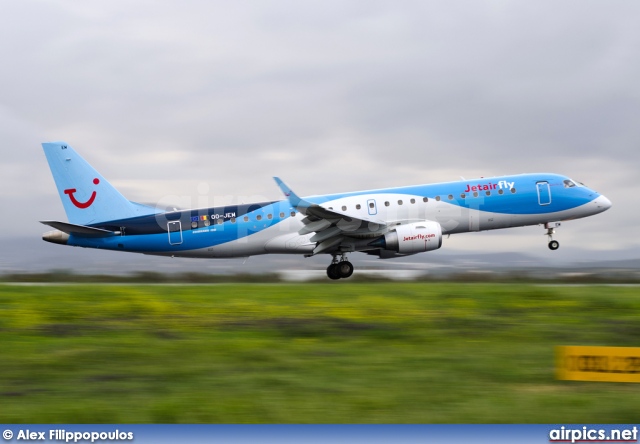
{"points": [[296, 201]]}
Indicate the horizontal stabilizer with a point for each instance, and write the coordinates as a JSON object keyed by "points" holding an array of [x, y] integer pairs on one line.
{"points": [[78, 230]]}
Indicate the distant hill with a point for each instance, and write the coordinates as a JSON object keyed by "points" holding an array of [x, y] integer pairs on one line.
{"points": [[34, 255]]}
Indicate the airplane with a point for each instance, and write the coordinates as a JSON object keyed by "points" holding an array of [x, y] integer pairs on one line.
{"points": [[387, 223]]}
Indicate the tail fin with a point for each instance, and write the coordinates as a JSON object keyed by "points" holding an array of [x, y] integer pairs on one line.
{"points": [[87, 197]]}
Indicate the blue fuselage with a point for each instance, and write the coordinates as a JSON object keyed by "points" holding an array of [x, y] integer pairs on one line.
{"points": [[273, 227]]}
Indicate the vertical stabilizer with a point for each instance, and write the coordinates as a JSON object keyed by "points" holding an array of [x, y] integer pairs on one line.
{"points": [[87, 197]]}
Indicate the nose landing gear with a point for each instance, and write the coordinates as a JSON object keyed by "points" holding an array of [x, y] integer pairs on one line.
{"points": [[551, 230], [340, 269]]}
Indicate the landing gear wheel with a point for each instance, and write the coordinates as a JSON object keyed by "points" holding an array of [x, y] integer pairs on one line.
{"points": [[553, 244], [332, 272], [344, 269]]}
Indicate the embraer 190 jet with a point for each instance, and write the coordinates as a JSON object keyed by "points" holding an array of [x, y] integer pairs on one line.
{"points": [[387, 223]]}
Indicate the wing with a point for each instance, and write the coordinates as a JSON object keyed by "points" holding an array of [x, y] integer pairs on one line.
{"points": [[331, 227]]}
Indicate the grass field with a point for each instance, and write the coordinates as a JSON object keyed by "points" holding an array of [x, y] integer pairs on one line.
{"points": [[309, 353]]}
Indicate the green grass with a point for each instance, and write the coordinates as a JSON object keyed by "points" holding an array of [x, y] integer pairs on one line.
{"points": [[308, 353]]}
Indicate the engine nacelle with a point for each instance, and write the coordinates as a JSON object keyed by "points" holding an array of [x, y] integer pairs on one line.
{"points": [[417, 237]]}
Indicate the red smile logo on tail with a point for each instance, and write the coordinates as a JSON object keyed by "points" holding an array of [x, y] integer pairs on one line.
{"points": [[75, 201]]}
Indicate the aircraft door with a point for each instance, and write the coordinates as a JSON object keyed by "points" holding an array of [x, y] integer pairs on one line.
{"points": [[175, 232], [544, 193], [371, 206]]}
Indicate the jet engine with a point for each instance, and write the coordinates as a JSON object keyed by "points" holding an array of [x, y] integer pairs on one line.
{"points": [[416, 237]]}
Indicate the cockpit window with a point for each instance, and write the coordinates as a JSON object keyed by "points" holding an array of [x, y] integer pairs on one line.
{"points": [[568, 183]]}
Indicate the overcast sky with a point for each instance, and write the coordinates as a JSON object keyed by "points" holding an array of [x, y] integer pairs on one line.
{"points": [[196, 102]]}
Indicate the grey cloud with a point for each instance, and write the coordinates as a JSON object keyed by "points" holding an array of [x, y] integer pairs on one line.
{"points": [[332, 96]]}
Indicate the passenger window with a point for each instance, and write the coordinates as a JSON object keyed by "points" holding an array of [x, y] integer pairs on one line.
{"points": [[426, 199], [207, 223], [386, 204], [450, 196], [344, 208], [194, 224], [475, 194], [371, 205], [358, 206], [233, 220], [269, 216], [399, 202], [258, 217], [513, 190], [412, 201], [463, 195], [500, 192], [438, 198], [246, 218], [293, 214], [281, 215], [219, 221], [488, 193]]}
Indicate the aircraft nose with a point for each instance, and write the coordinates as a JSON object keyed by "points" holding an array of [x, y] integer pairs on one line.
{"points": [[603, 203]]}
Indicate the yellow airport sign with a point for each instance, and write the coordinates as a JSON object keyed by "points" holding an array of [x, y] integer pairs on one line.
{"points": [[595, 363]]}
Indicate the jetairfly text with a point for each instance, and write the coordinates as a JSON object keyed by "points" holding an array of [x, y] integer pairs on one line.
{"points": [[503, 184]]}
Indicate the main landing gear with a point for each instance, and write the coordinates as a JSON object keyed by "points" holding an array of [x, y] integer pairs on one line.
{"points": [[551, 230], [339, 269]]}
